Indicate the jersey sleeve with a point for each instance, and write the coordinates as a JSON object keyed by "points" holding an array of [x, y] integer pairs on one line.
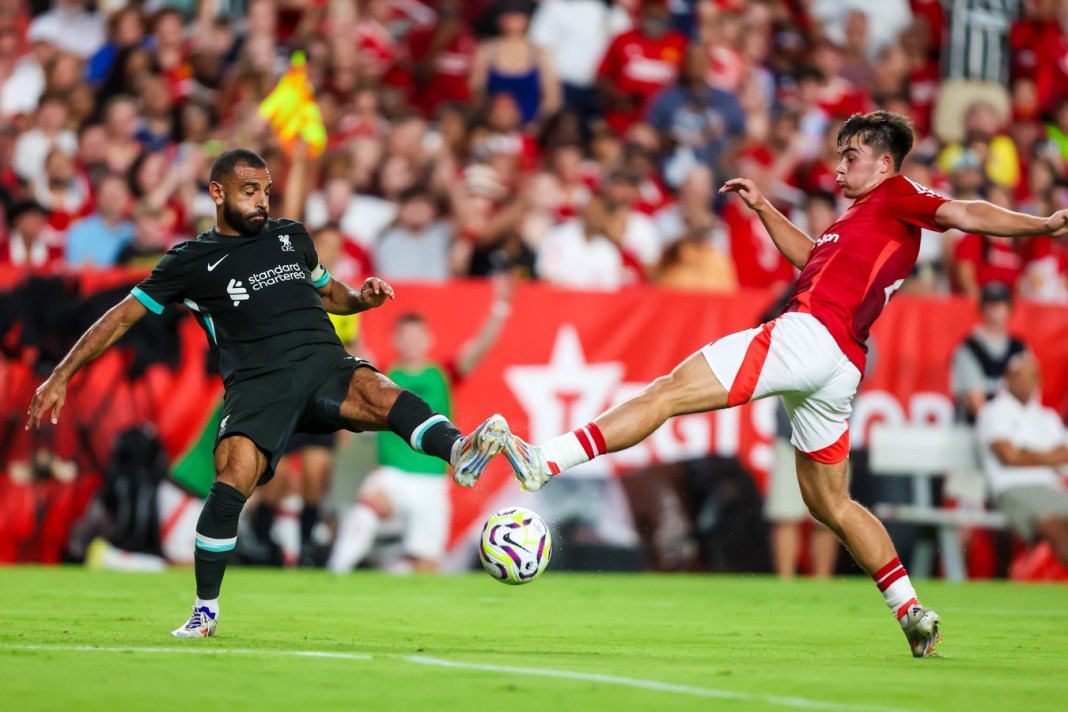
{"points": [[917, 206], [318, 274], [166, 285]]}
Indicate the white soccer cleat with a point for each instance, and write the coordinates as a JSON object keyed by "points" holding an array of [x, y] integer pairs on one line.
{"points": [[529, 463], [200, 625], [478, 448], [923, 629]]}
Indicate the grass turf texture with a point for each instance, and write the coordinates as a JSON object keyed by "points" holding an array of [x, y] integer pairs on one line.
{"points": [[771, 644]]}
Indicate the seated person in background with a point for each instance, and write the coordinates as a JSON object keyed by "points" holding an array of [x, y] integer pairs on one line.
{"points": [[149, 242], [1022, 443], [980, 361]]}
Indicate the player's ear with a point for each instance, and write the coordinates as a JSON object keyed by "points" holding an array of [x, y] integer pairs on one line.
{"points": [[215, 190]]}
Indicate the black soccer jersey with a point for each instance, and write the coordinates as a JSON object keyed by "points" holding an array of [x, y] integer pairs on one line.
{"points": [[256, 297]]}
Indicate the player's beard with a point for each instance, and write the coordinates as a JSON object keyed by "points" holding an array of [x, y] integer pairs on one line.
{"points": [[246, 225]]}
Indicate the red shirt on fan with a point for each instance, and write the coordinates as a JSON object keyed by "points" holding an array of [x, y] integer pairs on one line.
{"points": [[642, 66], [757, 260], [862, 259]]}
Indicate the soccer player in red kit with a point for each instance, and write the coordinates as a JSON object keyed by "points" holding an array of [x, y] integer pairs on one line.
{"points": [[813, 355]]}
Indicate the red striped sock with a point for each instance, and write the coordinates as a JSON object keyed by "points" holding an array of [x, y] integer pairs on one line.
{"points": [[574, 448], [893, 582]]}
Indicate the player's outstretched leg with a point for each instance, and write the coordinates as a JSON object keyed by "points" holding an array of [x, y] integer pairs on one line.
{"points": [[691, 388], [238, 466], [825, 489]]}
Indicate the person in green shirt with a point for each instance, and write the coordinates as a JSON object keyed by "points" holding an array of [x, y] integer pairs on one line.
{"points": [[408, 488]]}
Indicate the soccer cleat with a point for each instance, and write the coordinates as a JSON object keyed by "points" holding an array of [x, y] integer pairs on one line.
{"points": [[200, 625], [478, 448], [529, 463], [922, 628]]}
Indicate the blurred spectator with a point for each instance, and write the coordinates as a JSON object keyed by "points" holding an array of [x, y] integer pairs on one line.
{"points": [[71, 27], [61, 191], [638, 64], [417, 246], [697, 123], [31, 242], [979, 363], [96, 240], [361, 217], [982, 260], [697, 261], [1023, 444], [758, 262], [984, 136], [576, 34], [692, 209], [24, 76], [578, 255], [149, 242], [512, 64], [125, 29], [884, 20], [442, 56], [975, 61], [50, 131], [542, 200]]}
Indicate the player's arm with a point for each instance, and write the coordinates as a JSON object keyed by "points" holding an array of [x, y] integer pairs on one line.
{"points": [[792, 242], [1013, 456], [339, 298], [985, 218], [100, 336]]}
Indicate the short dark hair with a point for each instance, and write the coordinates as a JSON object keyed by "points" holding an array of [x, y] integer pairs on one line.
{"points": [[409, 318], [226, 163], [882, 131]]}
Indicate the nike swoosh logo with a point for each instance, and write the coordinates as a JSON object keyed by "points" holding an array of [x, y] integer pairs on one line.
{"points": [[211, 267], [508, 538]]}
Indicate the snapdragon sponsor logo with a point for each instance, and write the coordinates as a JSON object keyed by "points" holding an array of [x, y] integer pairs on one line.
{"points": [[275, 275]]}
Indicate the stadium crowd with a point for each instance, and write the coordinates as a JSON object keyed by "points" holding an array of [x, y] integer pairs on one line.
{"points": [[578, 141]]}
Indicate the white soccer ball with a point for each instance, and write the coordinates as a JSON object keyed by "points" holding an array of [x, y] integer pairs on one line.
{"points": [[516, 546]]}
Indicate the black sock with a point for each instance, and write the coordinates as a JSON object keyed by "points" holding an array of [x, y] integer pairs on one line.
{"points": [[216, 538], [309, 517], [262, 521], [425, 431]]}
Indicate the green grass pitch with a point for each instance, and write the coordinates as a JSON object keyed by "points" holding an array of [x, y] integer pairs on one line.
{"points": [[565, 642]]}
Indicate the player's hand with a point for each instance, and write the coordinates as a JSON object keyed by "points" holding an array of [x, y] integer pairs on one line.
{"points": [[1058, 223], [747, 190], [50, 395], [374, 292]]}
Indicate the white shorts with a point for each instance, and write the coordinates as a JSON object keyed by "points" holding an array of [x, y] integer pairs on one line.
{"points": [[797, 358], [420, 505]]}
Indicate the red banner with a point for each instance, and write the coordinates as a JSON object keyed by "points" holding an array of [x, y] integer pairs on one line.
{"points": [[564, 357]]}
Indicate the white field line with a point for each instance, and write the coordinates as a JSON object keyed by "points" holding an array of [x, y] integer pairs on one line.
{"points": [[656, 686]]}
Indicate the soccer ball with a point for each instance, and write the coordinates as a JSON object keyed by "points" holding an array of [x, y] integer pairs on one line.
{"points": [[516, 546]]}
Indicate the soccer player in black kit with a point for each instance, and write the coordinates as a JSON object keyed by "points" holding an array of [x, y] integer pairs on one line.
{"points": [[258, 290]]}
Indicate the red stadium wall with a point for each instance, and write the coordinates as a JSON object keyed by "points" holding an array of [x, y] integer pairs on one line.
{"points": [[563, 358]]}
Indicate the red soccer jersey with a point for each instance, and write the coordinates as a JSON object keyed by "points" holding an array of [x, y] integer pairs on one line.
{"points": [[861, 260], [640, 66]]}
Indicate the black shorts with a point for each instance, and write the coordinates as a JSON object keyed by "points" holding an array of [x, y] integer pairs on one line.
{"points": [[269, 409]]}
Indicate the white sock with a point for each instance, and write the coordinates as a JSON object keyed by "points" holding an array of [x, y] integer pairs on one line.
{"points": [[355, 535], [896, 587], [211, 604], [575, 448]]}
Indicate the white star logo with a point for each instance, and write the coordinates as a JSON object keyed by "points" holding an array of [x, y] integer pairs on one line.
{"points": [[567, 392]]}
